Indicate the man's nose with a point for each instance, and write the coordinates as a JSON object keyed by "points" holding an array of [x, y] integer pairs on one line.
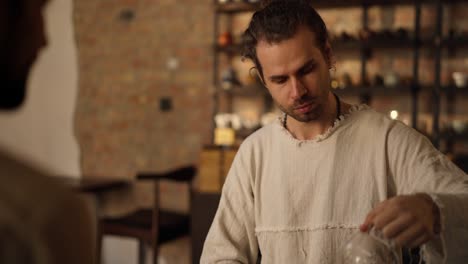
{"points": [[297, 88]]}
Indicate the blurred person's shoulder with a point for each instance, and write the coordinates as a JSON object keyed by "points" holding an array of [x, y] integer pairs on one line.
{"points": [[30, 193], [44, 218]]}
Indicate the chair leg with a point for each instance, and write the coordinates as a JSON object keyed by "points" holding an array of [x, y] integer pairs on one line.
{"points": [[155, 254], [100, 237], [155, 247], [141, 252]]}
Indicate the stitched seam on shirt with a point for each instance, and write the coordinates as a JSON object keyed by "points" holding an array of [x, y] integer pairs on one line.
{"points": [[299, 229]]}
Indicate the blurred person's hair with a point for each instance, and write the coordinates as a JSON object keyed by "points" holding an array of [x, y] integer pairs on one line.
{"points": [[278, 21], [14, 20]]}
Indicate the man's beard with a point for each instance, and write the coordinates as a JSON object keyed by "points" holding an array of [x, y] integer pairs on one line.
{"points": [[312, 115], [12, 90]]}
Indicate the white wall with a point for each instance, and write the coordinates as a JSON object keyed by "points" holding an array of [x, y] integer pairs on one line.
{"points": [[42, 130]]}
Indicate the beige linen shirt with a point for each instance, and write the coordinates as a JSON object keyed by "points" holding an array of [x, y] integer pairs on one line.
{"points": [[300, 201]]}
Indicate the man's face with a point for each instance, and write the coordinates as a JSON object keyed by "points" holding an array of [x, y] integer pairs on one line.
{"points": [[22, 36], [296, 73]]}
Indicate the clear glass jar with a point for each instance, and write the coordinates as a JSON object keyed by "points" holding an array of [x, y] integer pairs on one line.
{"points": [[371, 248]]}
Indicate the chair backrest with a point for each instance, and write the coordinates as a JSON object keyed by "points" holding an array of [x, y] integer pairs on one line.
{"points": [[183, 174]]}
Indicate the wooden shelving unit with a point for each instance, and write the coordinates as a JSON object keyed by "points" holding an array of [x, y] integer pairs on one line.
{"points": [[381, 90], [436, 43]]}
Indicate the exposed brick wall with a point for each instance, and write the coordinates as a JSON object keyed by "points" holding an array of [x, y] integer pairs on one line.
{"points": [[123, 49]]}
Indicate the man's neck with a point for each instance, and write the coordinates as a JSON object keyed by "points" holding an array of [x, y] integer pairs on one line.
{"points": [[310, 130]]}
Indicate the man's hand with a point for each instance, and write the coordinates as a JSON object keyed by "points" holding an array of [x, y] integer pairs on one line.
{"points": [[408, 220]]}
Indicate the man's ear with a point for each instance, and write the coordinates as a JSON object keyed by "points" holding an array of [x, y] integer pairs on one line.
{"points": [[261, 78], [255, 69]]}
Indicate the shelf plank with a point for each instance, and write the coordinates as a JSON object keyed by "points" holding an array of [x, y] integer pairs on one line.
{"points": [[381, 43], [452, 90], [247, 90], [375, 90], [454, 136], [258, 89], [354, 3], [451, 1], [347, 45], [455, 43], [242, 7], [389, 43]]}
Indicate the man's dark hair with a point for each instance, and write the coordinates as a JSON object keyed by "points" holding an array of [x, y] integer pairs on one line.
{"points": [[279, 20]]}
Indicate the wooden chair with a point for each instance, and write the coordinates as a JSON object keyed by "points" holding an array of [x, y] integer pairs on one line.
{"points": [[153, 226]]}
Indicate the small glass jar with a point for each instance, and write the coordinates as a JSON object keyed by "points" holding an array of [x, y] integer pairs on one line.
{"points": [[371, 248]]}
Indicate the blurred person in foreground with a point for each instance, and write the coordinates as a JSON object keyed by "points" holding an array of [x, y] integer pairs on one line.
{"points": [[41, 221], [302, 186]]}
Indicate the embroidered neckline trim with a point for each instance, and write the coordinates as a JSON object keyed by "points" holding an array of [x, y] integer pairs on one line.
{"points": [[330, 130]]}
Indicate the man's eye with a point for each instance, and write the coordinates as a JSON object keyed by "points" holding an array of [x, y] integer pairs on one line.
{"points": [[308, 69], [280, 80]]}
